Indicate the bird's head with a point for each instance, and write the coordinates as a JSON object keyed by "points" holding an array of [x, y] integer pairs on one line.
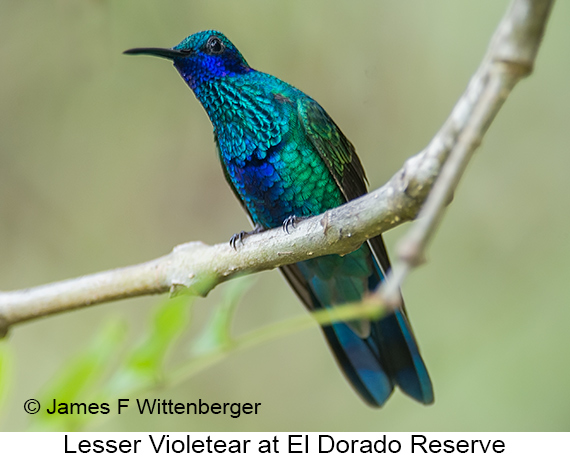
{"points": [[201, 57]]}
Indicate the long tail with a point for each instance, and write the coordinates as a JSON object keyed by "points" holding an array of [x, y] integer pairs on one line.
{"points": [[373, 355]]}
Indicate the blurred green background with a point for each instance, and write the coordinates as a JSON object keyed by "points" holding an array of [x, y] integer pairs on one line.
{"points": [[108, 160]]}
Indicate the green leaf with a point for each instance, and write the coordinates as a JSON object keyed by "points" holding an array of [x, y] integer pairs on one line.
{"points": [[5, 371], [77, 379], [143, 366]]}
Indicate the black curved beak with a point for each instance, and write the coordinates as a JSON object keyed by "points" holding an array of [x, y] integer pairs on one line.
{"points": [[160, 52]]}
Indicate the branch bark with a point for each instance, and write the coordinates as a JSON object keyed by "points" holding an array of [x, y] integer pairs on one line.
{"points": [[199, 267]]}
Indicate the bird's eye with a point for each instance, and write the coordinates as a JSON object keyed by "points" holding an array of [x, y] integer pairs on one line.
{"points": [[214, 45]]}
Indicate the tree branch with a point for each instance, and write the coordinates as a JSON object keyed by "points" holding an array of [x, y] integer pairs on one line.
{"points": [[510, 57], [200, 267]]}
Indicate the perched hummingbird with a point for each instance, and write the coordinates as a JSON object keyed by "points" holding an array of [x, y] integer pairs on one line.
{"points": [[285, 158]]}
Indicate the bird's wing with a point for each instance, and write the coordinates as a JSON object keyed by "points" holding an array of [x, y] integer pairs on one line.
{"points": [[334, 148], [340, 157]]}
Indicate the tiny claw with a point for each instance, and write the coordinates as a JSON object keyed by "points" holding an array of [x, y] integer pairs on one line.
{"points": [[289, 222], [238, 237]]}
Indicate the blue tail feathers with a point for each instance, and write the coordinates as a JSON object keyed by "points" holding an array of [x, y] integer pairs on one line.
{"points": [[388, 354]]}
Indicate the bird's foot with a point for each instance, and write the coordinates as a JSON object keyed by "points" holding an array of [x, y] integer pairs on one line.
{"points": [[290, 222], [238, 237]]}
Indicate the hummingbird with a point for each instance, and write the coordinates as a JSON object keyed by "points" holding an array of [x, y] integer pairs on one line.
{"points": [[286, 159]]}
